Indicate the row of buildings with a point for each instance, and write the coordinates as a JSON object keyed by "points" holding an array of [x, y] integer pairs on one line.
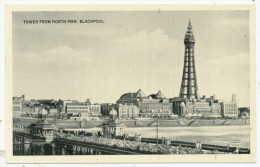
{"points": [[207, 107], [132, 105], [71, 108], [157, 105]]}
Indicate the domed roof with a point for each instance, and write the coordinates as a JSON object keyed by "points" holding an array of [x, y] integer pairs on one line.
{"points": [[138, 94], [182, 104], [43, 111], [128, 95], [112, 112]]}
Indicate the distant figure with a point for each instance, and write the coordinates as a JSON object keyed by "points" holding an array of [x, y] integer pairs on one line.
{"points": [[162, 141], [111, 135], [236, 151], [197, 145], [168, 143], [165, 141], [138, 148], [137, 138], [228, 147], [125, 136]]}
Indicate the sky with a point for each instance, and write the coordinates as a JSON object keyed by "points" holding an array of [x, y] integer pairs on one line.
{"points": [[131, 50]]}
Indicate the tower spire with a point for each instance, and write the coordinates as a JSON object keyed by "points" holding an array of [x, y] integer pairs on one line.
{"points": [[189, 37], [189, 86]]}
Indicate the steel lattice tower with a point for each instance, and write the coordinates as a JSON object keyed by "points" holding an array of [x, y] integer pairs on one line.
{"points": [[189, 86]]}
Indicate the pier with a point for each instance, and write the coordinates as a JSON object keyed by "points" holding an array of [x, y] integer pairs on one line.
{"points": [[64, 144]]}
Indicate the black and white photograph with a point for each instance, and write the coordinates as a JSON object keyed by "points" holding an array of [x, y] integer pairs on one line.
{"points": [[157, 82]]}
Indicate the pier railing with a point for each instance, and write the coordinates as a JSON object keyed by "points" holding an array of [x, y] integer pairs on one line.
{"points": [[210, 147]]}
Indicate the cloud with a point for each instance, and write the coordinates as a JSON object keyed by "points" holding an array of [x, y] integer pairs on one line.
{"points": [[147, 49], [226, 75], [153, 40], [50, 73], [47, 64], [238, 60], [233, 22], [61, 56], [64, 53]]}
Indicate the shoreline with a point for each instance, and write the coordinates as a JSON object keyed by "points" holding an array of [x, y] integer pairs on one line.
{"points": [[167, 127], [74, 124]]}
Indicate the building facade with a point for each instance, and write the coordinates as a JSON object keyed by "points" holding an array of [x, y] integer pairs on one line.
{"points": [[83, 110], [154, 105], [196, 108], [95, 110], [229, 109], [17, 104], [77, 108], [205, 107], [128, 111], [63, 104], [150, 107]]}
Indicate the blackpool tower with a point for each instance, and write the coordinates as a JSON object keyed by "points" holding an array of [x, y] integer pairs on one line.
{"points": [[189, 85]]}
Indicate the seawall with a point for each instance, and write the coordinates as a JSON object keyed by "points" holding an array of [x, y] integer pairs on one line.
{"points": [[153, 123], [139, 123]]}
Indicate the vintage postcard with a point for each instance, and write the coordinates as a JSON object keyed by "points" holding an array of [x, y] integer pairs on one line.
{"points": [[130, 83]]}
